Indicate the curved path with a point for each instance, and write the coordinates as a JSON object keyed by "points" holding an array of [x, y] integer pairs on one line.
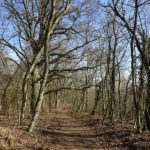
{"points": [[74, 134]]}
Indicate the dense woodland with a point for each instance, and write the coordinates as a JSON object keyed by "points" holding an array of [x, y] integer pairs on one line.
{"points": [[90, 55]]}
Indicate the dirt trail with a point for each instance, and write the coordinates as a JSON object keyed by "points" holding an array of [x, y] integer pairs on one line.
{"points": [[55, 131], [58, 130], [74, 134]]}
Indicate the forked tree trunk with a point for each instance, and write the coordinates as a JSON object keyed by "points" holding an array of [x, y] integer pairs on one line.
{"points": [[25, 85]]}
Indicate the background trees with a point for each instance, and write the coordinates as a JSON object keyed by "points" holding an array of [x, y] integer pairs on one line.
{"points": [[89, 54]]}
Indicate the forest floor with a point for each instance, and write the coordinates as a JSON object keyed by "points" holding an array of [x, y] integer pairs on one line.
{"points": [[60, 130]]}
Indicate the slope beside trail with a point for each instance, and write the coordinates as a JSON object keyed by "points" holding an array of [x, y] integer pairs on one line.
{"points": [[58, 130], [73, 133]]}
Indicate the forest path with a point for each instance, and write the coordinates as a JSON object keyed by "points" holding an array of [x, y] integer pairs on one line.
{"points": [[74, 134]]}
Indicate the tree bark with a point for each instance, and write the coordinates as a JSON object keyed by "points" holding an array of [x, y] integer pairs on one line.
{"points": [[25, 85], [35, 87], [41, 92]]}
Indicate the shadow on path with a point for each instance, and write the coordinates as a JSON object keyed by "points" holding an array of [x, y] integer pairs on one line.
{"points": [[74, 134]]}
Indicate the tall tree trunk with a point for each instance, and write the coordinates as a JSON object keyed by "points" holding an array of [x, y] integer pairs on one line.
{"points": [[41, 91], [133, 75], [147, 109], [85, 103], [35, 88], [25, 85], [112, 78], [113, 93], [97, 98], [82, 101], [56, 100], [119, 94]]}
